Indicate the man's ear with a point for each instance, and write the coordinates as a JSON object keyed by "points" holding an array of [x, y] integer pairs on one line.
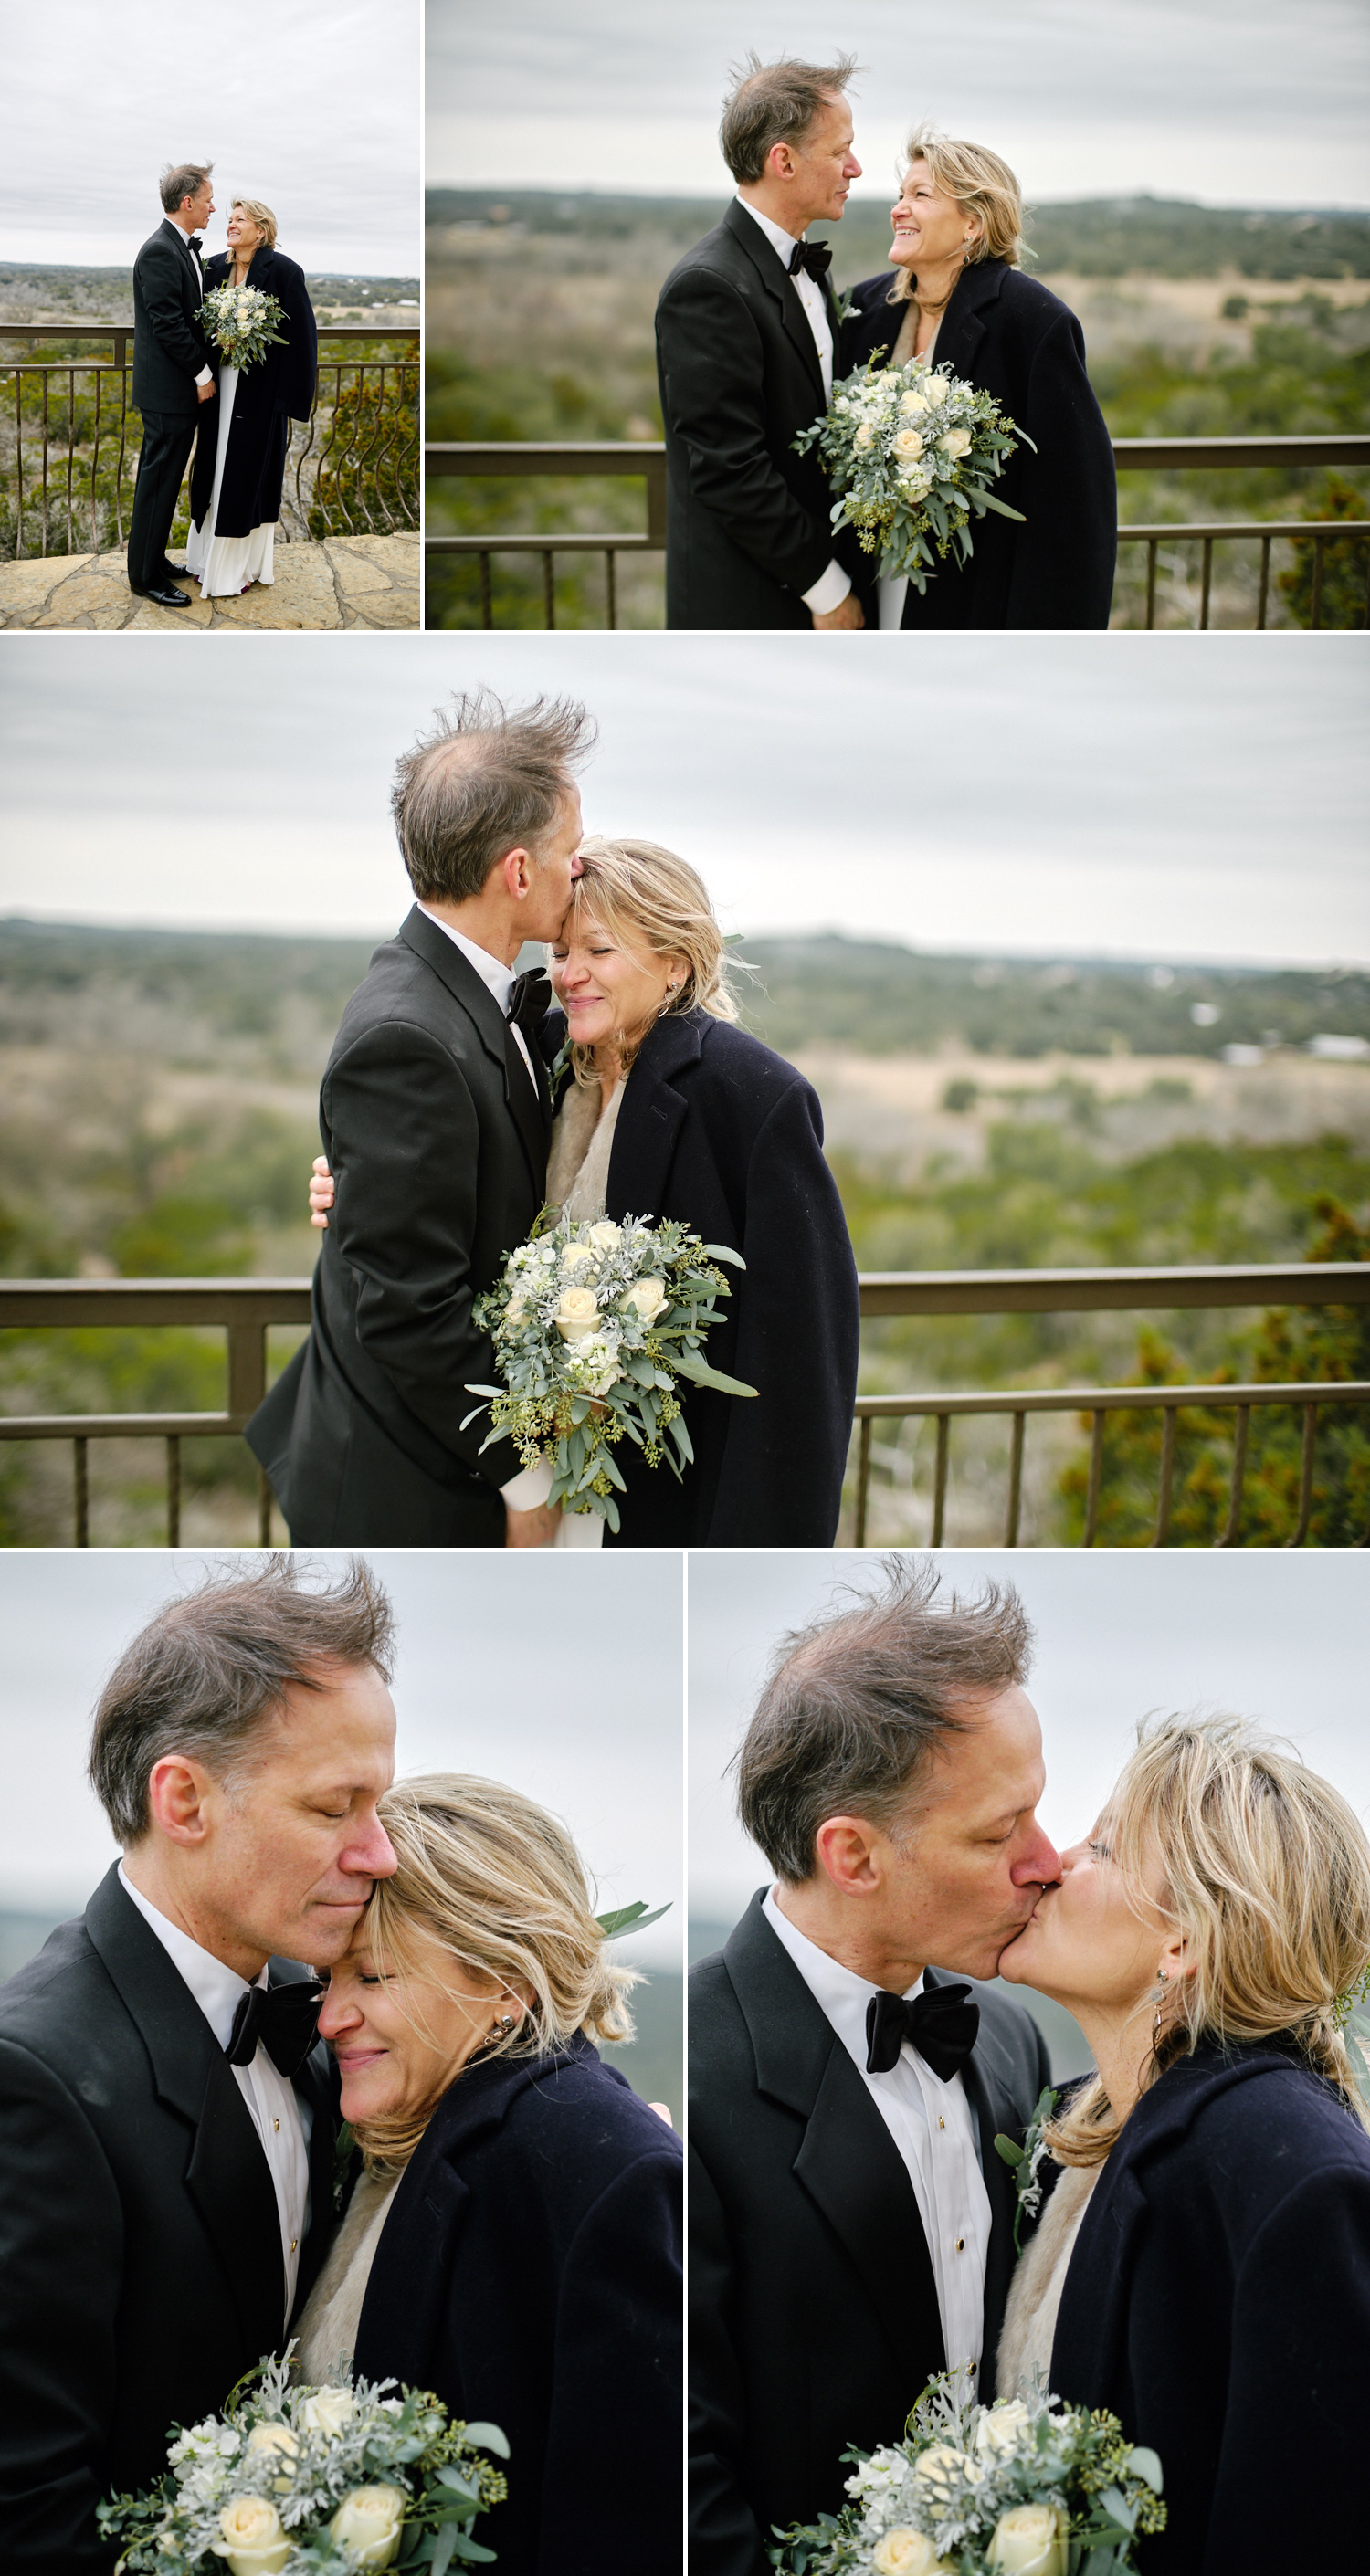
{"points": [[844, 1847], [179, 1792], [517, 868]]}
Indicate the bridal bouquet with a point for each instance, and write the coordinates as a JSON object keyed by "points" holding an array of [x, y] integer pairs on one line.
{"points": [[241, 321], [313, 2482], [912, 451], [1014, 2489], [593, 1325]]}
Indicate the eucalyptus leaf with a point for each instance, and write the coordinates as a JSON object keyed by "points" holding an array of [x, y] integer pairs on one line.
{"points": [[629, 1918], [1144, 2463], [486, 2437]]}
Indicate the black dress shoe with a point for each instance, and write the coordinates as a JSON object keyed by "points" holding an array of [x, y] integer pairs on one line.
{"points": [[164, 598]]}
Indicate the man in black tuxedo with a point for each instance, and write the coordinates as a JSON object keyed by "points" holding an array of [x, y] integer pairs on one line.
{"points": [[166, 2118], [172, 376], [436, 1116], [746, 328], [851, 2227]]}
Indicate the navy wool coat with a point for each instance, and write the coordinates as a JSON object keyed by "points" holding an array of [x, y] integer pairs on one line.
{"points": [[529, 2274], [1218, 2301], [717, 1132], [268, 397], [1010, 334]]}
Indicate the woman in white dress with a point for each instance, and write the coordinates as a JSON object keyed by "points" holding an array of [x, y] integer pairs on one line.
{"points": [[1201, 2267], [512, 2237], [236, 482]]}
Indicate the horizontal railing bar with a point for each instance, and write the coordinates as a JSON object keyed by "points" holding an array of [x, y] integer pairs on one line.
{"points": [[1078, 1292], [545, 456], [1111, 1399], [1133, 455], [119, 1426], [575, 543], [394, 332], [64, 1303], [1172, 528]]}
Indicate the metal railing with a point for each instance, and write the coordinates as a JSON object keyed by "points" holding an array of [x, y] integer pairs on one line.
{"points": [[246, 1309], [646, 458], [365, 462]]}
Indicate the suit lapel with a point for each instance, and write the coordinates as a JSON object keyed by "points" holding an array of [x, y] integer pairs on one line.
{"points": [[226, 2175], [775, 277], [959, 339], [317, 2088], [527, 1106], [651, 1114]]}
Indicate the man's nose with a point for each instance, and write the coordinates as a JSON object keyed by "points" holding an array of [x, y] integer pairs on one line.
{"points": [[1040, 1864], [372, 1855]]}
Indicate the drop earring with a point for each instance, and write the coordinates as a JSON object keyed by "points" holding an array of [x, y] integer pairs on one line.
{"points": [[1160, 2007]]}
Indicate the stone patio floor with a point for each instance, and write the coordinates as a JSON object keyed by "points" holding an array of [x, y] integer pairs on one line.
{"points": [[345, 581]]}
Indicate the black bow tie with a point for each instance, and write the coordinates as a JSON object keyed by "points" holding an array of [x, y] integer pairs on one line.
{"points": [[530, 999], [941, 2024], [283, 2019], [195, 240], [813, 256]]}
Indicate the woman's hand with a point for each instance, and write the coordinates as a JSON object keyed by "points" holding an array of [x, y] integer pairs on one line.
{"points": [[321, 1194]]}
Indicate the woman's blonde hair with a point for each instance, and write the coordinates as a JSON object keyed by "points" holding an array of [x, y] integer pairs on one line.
{"points": [[982, 184], [645, 897], [262, 217], [1266, 1874], [496, 1885]]}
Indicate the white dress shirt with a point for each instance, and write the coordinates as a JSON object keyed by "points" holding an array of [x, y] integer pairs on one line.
{"points": [[529, 1489], [281, 2120], [932, 2126], [206, 374], [832, 586]]}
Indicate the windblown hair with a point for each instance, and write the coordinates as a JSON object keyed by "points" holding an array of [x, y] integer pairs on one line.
{"points": [[206, 1676], [489, 1885], [774, 103], [982, 184], [261, 216], [644, 897], [484, 782], [858, 1705], [1267, 1875], [182, 179]]}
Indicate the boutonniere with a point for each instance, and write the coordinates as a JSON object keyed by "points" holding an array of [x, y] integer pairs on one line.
{"points": [[561, 1062], [1023, 2162], [845, 306], [344, 2156]]}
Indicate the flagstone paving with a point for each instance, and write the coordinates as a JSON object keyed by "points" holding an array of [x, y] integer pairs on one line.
{"points": [[345, 581]]}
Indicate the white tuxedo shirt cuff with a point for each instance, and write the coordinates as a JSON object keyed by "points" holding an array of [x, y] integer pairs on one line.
{"points": [[529, 1488], [828, 591], [205, 376]]}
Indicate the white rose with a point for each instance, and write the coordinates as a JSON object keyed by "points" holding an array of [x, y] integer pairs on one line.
{"points": [[278, 2438], [328, 2410], [939, 2467], [575, 1256], [913, 403], [908, 445], [1029, 2541], [1001, 2428], [864, 435], [606, 1236], [253, 2542], [646, 1298], [515, 1311], [936, 389], [369, 2524], [956, 442], [576, 1313], [908, 2553]]}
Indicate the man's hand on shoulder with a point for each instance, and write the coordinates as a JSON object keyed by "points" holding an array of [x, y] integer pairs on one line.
{"points": [[847, 613]]}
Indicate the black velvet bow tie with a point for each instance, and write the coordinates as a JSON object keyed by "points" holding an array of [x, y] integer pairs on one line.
{"points": [[941, 2024], [283, 2019], [813, 256], [195, 240], [530, 999]]}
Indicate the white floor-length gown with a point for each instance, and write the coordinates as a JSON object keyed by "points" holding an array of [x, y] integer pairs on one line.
{"points": [[577, 1178], [892, 592], [223, 566]]}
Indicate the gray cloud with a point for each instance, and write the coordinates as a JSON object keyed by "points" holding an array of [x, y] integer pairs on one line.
{"points": [[317, 112]]}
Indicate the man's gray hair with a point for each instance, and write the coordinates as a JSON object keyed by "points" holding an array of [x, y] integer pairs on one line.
{"points": [[207, 1674], [774, 103], [182, 179], [484, 782], [858, 1703]]}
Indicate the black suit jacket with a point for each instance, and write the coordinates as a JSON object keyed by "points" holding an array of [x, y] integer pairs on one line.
{"points": [[438, 1142], [169, 345], [266, 399], [747, 521], [1218, 2300], [721, 1134], [1010, 334], [140, 2247], [529, 2274], [813, 2310]]}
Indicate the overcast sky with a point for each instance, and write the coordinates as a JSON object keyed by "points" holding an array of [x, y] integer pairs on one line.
{"points": [[1277, 1638], [1245, 102], [1153, 796], [561, 1676], [316, 111]]}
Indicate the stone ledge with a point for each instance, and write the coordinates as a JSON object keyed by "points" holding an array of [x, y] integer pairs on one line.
{"points": [[343, 582]]}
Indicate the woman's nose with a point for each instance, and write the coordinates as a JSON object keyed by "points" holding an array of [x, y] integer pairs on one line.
{"points": [[340, 2012]]}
